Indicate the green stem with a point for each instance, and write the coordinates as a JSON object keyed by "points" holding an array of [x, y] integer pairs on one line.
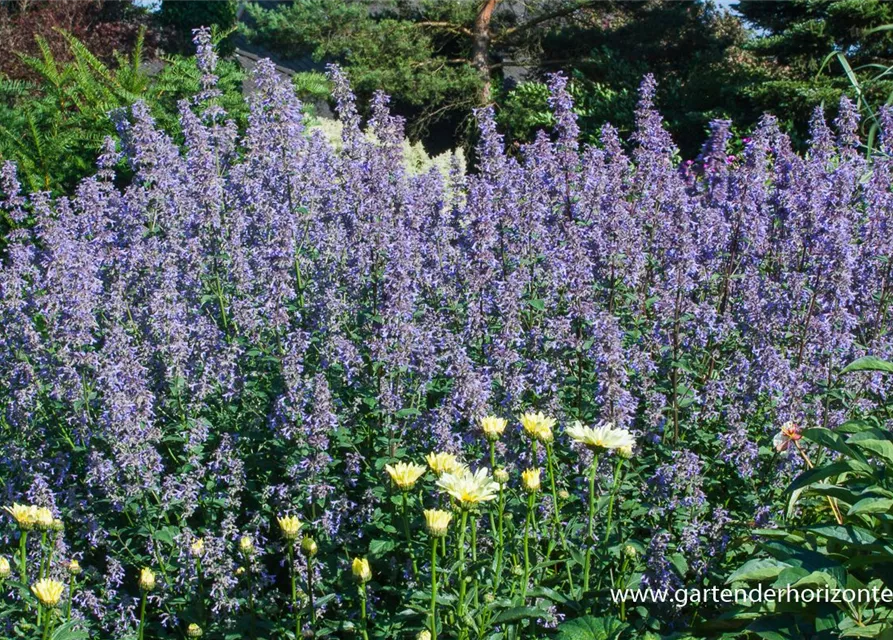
{"points": [[614, 488], [142, 626], [23, 557], [415, 566], [460, 610], [294, 587], [310, 590], [590, 533], [363, 610], [71, 590], [46, 625], [556, 519], [527, 521], [433, 588]]}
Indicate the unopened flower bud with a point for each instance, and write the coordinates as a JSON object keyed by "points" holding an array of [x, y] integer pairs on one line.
{"points": [[309, 547], [194, 631], [630, 551], [424, 635], [246, 545], [530, 479], [361, 570], [74, 567], [147, 579], [501, 476], [4, 568]]}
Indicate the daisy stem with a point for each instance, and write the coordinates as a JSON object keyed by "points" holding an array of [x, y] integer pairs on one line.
{"points": [[415, 566], [617, 469], [589, 537], [556, 520], [71, 590], [433, 588], [460, 610], [310, 590], [142, 626], [23, 557], [363, 620], [526, 578], [294, 587]]}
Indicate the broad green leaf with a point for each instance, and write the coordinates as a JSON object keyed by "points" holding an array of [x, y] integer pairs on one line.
{"points": [[848, 534], [868, 631], [812, 476], [757, 569], [874, 441], [871, 505], [869, 363], [833, 441], [591, 628], [516, 614]]}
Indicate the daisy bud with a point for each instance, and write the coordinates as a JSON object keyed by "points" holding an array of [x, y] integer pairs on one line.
{"points": [[308, 547], [4, 568], [290, 526], [147, 579], [501, 476], [361, 570], [246, 545], [74, 567], [530, 479], [194, 631], [437, 522]]}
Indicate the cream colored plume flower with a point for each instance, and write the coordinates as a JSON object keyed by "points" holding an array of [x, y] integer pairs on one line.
{"points": [[469, 488], [441, 463], [25, 515], [492, 427], [48, 591], [530, 479], [290, 526], [604, 436], [437, 522], [361, 570], [405, 474], [538, 426]]}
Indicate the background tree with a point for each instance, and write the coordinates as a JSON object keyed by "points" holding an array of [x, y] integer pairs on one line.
{"points": [[792, 40], [437, 59]]}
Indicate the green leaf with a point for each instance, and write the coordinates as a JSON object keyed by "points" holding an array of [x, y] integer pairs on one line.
{"points": [[869, 631], [848, 534], [380, 548], [758, 569], [591, 628], [516, 614], [875, 441], [812, 476], [869, 363], [871, 505], [833, 441]]}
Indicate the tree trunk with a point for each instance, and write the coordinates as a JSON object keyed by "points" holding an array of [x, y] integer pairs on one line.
{"points": [[481, 47]]}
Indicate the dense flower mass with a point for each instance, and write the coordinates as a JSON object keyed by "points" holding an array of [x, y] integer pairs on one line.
{"points": [[207, 335]]}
